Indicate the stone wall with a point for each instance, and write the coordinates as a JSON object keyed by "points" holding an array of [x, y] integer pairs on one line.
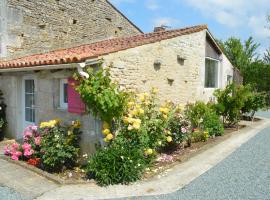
{"points": [[177, 80], [36, 26]]}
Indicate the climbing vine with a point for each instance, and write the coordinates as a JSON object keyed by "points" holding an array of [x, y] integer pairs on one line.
{"points": [[102, 96]]}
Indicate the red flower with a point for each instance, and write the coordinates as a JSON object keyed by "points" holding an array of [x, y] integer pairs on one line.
{"points": [[34, 161]]}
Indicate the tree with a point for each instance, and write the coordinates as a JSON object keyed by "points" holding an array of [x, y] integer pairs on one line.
{"points": [[266, 57], [240, 54]]}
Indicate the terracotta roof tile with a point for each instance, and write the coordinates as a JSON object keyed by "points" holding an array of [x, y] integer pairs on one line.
{"points": [[81, 53]]}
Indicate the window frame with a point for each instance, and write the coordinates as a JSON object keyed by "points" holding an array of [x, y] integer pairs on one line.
{"points": [[62, 103], [217, 74]]}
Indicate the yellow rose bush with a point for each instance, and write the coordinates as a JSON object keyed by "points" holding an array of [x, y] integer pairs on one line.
{"points": [[59, 146]]}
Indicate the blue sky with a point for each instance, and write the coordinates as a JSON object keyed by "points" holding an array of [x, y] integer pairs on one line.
{"points": [[225, 18]]}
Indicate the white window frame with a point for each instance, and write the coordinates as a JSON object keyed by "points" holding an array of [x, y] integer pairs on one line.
{"points": [[218, 73], [62, 103]]}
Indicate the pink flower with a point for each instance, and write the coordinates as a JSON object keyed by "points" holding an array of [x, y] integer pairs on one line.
{"points": [[34, 128], [18, 153], [183, 130], [15, 146], [14, 157], [37, 140], [26, 146], [28, 152], [6, 150], [27, 133]]}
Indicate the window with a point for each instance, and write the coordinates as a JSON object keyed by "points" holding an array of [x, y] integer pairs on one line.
{"points": [[229, 79], [63, 94], [211, 73], [29, 101]]}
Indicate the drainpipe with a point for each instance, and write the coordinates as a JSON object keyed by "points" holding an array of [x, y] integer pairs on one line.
{"points": [[80, 68]]}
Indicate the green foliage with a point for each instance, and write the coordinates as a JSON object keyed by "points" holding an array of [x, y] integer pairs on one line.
{"points": [[258, 75], [244, 56], [120, 163], [240, 54], [199, 136], [59, 147], [179, 127], [254, 102], [212, 124], [230, 101], [203, 116], [195, 113], [103, 97], [266, 56]]}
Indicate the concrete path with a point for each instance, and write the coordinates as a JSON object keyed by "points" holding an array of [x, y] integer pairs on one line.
{"points": [[172, 180], [27, 183]]}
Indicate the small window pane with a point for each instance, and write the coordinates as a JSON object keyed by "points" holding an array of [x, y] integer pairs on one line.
{"points": [[29, 100], [29, 86], [29, 115], [211, 73]]}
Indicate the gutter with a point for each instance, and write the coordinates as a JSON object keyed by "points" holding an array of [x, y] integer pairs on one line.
{"points": [[43, 67]]}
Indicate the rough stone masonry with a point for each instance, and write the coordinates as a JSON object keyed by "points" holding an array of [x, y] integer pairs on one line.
{"points": [[36, 26]]}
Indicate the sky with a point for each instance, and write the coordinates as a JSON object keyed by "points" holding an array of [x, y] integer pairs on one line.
{"points": [[225, 18]]}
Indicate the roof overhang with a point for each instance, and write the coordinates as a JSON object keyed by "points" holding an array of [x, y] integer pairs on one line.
{"points": [[43, 67]]}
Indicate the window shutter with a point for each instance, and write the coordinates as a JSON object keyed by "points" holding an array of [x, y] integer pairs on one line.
{"points": [[75, 103]]}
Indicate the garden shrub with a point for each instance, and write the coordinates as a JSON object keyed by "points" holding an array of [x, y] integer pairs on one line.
{"points": [[254, 102], [199, 135], [120, 163], [230, 101], [50, 146], [59, 145], [102, 96], [30, 149], [195, 112], [179, 126], [203, 116], [212, 124]]}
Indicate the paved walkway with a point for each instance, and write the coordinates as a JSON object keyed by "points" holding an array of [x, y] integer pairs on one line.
{"points": [[27, 183]]}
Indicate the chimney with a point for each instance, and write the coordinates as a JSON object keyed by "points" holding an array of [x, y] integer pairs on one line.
{"points": [[160, 28]]}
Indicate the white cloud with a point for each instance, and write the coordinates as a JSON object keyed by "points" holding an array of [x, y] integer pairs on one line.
{"points": [[152, 5], [232, 13], [258, 26], [166, 21]]}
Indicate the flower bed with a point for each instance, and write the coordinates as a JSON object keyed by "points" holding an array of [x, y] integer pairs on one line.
{"points": [[51, 146]]}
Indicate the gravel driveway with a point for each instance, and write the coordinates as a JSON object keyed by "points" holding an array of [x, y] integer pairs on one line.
{"points": [[245, 174]]}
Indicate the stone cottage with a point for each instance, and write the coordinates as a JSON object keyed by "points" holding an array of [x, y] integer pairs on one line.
{"points": [[185, 64]]}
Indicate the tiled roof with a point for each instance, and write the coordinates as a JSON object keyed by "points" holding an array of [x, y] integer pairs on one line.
{"points": [[81, 53]]}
